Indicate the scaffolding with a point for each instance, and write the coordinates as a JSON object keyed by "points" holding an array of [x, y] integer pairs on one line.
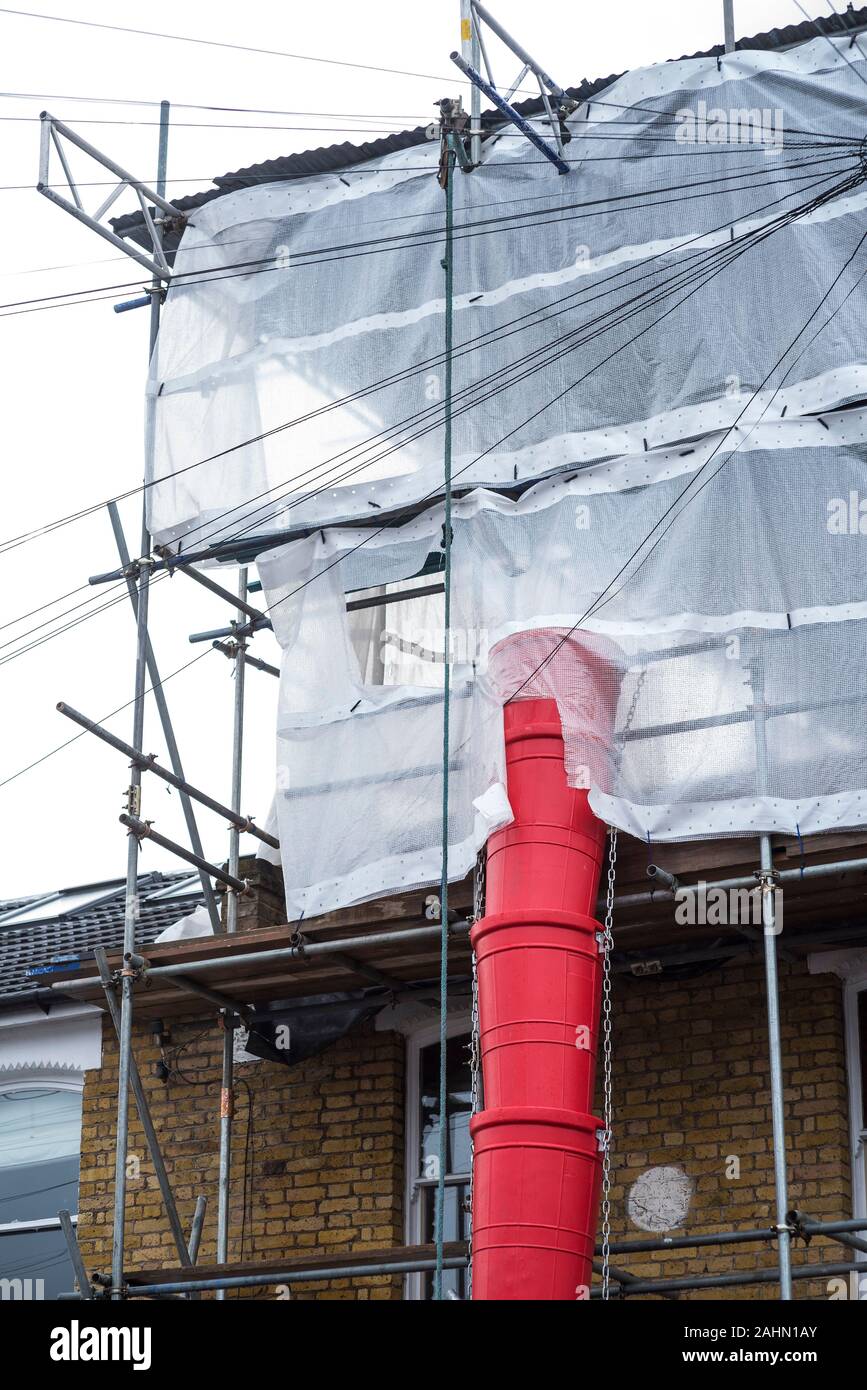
{"points": [[395, 962]]}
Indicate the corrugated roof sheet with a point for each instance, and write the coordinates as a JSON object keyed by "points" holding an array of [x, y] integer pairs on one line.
{"points": [[329, 158], [32, 947]]}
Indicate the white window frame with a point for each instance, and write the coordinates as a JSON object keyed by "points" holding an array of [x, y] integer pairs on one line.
{"points": [[45, 1079], [421, 1037]]}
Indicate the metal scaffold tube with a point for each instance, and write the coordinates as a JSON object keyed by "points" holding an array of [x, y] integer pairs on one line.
{"points": [[133, 806], [309, 1276], [307, 950], [768, 885], [144, 1115], [227, 1092], [148, 763], [143, 831], [166, 722], [778, 1117]]}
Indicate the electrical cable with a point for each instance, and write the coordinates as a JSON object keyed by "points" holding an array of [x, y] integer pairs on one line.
{"points": [[297, 259], [508, 384], [727, 253], [194, 660], [823, 33], [234, 47], [847, 28], [467, 345], [751, 238], [601, 600]]}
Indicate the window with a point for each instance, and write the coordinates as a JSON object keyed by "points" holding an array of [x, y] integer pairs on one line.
{"points": [[423, 1136], [40, 1140]]}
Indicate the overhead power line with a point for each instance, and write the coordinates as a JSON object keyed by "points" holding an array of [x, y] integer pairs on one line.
{"points": [[468, 345], [427, 236], [713, 259], [371, 535], [233, 47]]}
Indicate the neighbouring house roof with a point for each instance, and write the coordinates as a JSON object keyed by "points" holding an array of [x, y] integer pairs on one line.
{"points": [[329, 158], [38, 932]]}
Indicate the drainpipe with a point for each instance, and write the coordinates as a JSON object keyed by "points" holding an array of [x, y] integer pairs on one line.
{"points": [[537, 1161]]}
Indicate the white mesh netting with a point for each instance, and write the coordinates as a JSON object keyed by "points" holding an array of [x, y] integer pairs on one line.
{"points": [[660, 360]]}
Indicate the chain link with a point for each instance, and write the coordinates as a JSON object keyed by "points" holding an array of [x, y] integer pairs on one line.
{"points": [[630, 713], [608, 1106]]}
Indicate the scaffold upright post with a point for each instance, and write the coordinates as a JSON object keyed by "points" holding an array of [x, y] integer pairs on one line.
{"points": [[133, 797], [770, 928], [227, 1100], [471, 55]]}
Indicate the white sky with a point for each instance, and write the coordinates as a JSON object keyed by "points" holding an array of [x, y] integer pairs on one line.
{"points": [[73, 377]]}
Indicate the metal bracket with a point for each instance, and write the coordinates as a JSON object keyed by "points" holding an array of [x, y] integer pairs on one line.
{"points": [[557, 105], [767, 879], [54, 133], [795, 1226]]}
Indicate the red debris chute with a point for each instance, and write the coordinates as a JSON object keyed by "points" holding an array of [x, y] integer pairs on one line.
{"points": [[537, 1163]]}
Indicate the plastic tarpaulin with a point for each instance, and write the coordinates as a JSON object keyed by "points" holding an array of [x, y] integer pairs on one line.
{"points": [[658, 437]]}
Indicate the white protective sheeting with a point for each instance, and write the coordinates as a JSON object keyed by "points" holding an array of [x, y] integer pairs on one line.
{"points": [[659, 362], [359, 766], [594, 315], [736, 676]]}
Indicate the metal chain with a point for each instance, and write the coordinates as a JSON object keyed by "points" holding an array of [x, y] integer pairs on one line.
{"points": [[479, 884], [630, 713], [608, 1107], [475, 1050]]}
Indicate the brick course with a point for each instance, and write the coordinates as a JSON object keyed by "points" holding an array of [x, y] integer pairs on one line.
{"points": [[326, 1153], [326, 1150], [691, 1085]]}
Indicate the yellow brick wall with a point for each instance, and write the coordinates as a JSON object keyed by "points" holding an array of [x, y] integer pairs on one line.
{"points": [[325, 1153], [691, 1083], [691, 1090]]}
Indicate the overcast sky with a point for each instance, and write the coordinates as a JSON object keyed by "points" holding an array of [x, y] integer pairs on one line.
{"points": [[73, 377]]}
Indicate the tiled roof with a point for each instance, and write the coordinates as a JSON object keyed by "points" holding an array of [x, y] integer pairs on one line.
{"points": [[27, 951], [329, 158]]}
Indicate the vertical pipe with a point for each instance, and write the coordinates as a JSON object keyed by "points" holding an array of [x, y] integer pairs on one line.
{"points": [[470, 52], [227, 1098], [772, 992], [237, 754], [729, 24], [778, 1118], [129, 946], [448, 266], [131, 903], [144, 1114]]}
